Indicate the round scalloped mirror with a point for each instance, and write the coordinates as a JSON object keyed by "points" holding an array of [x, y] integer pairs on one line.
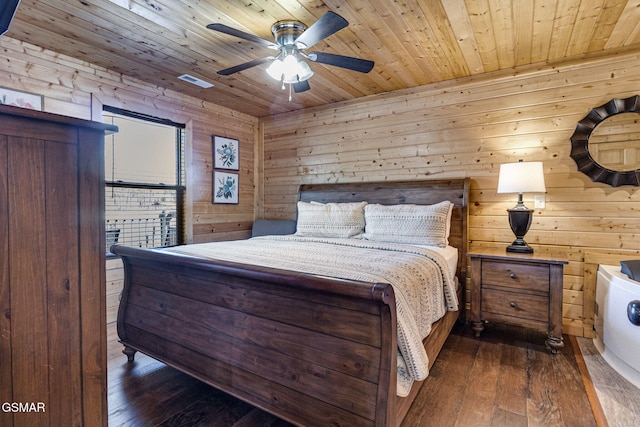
{"points": [[606, 143], [615, 144]]}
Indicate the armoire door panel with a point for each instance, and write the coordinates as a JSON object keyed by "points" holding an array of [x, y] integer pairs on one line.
{"points": [[27, 274], [63, 292]]}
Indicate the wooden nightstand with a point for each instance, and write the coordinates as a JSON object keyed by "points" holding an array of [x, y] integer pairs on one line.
{"points": [[519, 289]]}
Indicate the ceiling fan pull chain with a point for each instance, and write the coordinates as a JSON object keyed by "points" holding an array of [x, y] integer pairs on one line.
{"points": [[290, 92]]}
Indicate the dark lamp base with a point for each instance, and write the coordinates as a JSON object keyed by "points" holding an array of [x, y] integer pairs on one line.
{"points": [[520, 246], [520, 220]]}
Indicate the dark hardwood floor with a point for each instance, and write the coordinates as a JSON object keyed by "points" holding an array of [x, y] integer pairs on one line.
{"points": [[505, 378]]}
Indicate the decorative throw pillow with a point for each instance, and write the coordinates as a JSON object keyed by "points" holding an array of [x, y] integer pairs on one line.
{"points": [[413, 224], [330, 219]]}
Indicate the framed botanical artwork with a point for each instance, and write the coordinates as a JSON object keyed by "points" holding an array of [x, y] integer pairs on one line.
{"points": [[226, 153], [18, 98], [225, 187]]}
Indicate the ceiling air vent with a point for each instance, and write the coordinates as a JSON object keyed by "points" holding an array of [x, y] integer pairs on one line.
{"points": [[195, 81]]}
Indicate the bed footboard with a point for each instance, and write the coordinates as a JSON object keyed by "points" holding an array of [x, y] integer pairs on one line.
{"points": [[311, 350]]}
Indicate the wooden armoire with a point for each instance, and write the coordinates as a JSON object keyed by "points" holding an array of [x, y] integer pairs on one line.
{"points": [[52, 270]]}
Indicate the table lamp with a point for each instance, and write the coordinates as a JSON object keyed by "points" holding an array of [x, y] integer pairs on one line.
{"points": [[520, 177]]}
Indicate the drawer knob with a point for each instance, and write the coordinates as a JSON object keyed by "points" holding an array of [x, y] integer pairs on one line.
{"points": [[513, 304], [513, 275]]}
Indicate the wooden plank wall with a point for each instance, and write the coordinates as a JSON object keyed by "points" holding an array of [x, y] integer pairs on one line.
{"points": [[467, 128], [75, 88]]}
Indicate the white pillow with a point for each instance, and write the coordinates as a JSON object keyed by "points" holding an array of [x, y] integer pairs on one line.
{"points": [[330, 219], [413, 224]]}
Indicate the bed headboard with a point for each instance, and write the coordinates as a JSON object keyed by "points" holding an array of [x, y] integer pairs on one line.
{"points": [[426, 192]]}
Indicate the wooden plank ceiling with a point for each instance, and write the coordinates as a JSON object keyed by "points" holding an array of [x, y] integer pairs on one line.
{"points": [[413, 42]]}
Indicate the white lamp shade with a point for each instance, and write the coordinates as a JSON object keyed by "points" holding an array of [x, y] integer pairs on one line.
{"points": [[521, 177]]}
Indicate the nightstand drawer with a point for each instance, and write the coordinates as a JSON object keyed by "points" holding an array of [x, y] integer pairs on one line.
{"points": [[521, 306], [534, 277]]}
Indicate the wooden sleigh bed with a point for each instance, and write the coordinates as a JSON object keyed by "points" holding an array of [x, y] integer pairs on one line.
{"points": [[310, 349]]}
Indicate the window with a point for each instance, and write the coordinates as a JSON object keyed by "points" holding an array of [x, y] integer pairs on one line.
{"points": [[144, 194]]}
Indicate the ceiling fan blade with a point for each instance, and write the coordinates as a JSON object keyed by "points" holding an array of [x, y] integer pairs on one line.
{"points": [[246, 65], [241, 34], [328, 24], [301, 86], [348, 62]]}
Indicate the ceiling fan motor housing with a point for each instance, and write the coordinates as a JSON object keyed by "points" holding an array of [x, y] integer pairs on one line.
{"points": [[286, 32]]}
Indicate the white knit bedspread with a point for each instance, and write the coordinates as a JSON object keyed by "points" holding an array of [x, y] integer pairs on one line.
{"points": [[419, 276]]}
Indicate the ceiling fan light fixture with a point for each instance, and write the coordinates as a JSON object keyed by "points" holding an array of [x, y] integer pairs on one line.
{"points": [[289, 70]]}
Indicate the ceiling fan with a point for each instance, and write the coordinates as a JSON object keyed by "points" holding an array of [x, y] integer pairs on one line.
{"points": [[291, 39]]}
